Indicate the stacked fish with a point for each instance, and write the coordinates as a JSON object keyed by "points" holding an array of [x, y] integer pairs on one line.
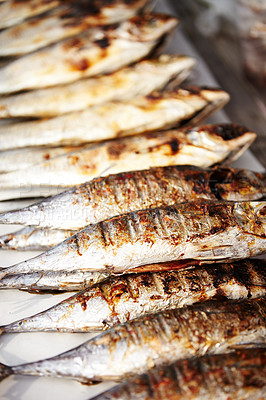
{"points": [[159, 245]]}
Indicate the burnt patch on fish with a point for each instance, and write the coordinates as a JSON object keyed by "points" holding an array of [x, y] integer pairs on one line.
{"points": [[103, 43], [115, 149], [225, 131], [73, 43], [80, 65]]}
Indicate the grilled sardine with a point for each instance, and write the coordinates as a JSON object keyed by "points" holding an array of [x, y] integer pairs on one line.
{"points": [[120, 299], [80, 56], [115, 119], [68, 20], [139, 79], [112, 195], [202, 146], [199, 230], [239, 375], [13, 11], [138, 345]]}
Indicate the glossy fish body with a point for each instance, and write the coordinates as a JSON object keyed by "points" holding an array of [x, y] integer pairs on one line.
{"points": [[203, 146], [53, 281], [199, 230], [139, 79], [80, 56], [114, 119], [34, 239], [68, 20], [138, 345], [121, 299], [112, 195], [12, 160], [239, 375], [12, 12]]}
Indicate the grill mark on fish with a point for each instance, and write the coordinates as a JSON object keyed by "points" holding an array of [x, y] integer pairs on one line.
{"points": [[190, 239], [238, 374], [107, 121], [212, 327], [124, 298], [197, 148], [63, 56]]}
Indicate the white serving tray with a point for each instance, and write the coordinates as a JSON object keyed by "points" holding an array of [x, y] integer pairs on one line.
{"points": [[14, 304]]}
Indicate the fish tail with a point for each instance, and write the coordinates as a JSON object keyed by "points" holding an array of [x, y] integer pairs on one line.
{"points": [[4, 241], [4, 272], [5, 371]]}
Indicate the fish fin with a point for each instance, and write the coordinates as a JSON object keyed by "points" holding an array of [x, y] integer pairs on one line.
{"points": [[5, 371], [249, 345], [2, 329]]}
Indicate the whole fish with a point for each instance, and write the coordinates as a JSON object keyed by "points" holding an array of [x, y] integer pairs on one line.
{"points": [[68, 20], [138, 345], [80, 56], [115, 119], [239, 375], [202, 146], [139, 79], [120, 299], [13, 11], [112, 195], [199, 230], [34, 239], [12, 160]]}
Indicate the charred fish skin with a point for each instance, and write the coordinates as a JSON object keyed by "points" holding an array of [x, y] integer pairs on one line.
{"points": [[68, 20], [116, 194], [239, 375], [121, 299], [78, 57], [200, 146], [156, 111], [199, 230], [139, 79], [138, 345]]}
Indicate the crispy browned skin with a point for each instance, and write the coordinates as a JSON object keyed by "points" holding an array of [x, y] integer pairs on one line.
{"points": [[236, 376], [199, 230], [124, 298], [138, 345], [168, 185]]}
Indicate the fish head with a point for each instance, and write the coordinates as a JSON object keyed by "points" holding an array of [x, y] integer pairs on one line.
{"points": [[146, 27], [236, 138]]}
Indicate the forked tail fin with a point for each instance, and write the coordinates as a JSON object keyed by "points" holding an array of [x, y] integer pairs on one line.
{"points": [[5, 371]]}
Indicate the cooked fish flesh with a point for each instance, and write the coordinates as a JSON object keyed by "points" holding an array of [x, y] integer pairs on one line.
{"points": [[80, 56], [114, 119], [239, 375], [112, 195], [200, 230], [68, 20], [34, 239], [138, 345], [13, 11], [121, 299], [17, 159], [202, 146], [139, 79]]}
